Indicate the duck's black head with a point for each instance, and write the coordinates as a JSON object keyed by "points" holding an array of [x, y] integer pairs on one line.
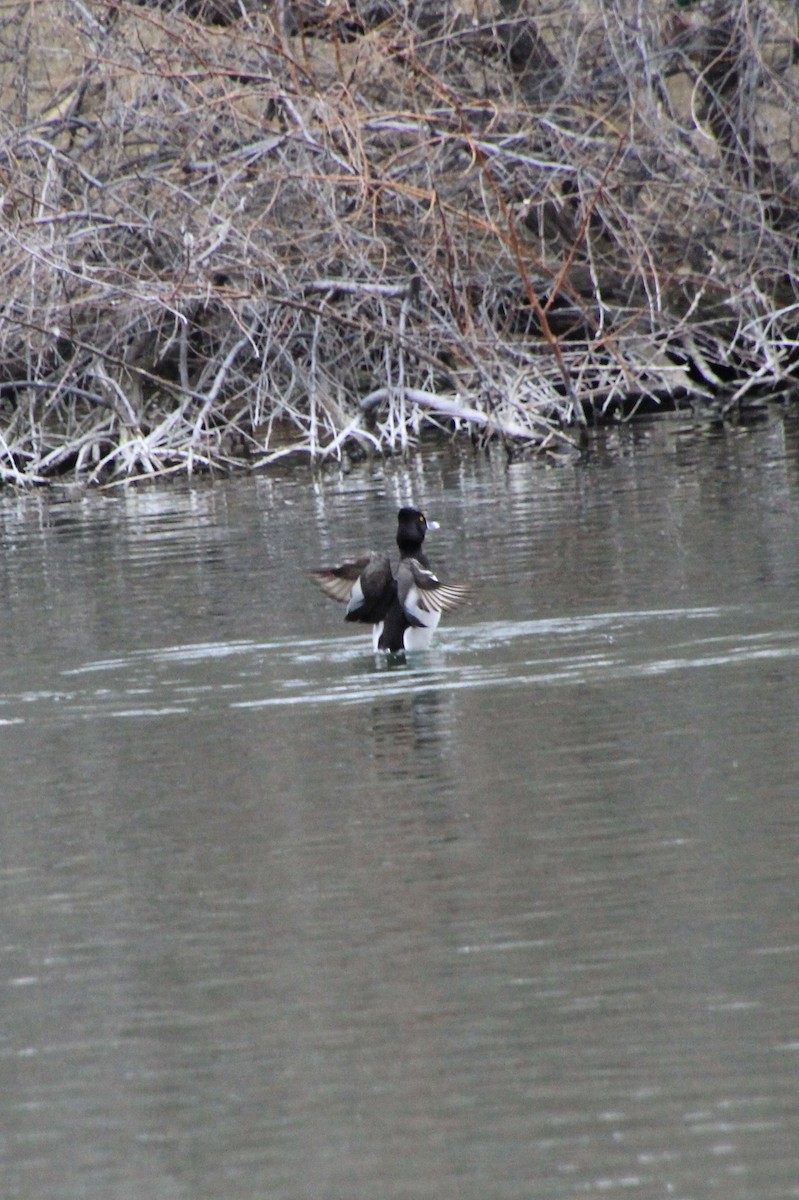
{"points": [[412, 525]]}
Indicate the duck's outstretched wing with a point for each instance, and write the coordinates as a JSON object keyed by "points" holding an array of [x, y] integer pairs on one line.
{"points": [[338, 582], [420, 590], [366, 585]]}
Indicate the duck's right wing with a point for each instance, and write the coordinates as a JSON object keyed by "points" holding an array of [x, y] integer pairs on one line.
{"points": [[366, 585], [338, 582]]}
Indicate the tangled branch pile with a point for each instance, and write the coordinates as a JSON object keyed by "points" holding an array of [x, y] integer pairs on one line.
{"points": [[233, 231]]}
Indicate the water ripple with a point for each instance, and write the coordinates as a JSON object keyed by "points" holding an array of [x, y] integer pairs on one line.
{"points": [[601, 648]]}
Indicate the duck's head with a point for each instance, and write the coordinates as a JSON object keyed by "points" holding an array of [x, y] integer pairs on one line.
{"points": [[412, 525]]}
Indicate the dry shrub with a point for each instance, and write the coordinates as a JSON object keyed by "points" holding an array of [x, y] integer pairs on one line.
{"points": [[234, 232]]}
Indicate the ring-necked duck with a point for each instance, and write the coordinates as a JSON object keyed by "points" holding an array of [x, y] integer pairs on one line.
{"points": [[404, 606]]}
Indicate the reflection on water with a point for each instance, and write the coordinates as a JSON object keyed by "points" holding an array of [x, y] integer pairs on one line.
{"points": [[514, 918], [410, 735]]}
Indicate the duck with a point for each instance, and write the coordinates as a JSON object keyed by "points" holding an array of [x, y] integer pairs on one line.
{"points": [[403, 604]]}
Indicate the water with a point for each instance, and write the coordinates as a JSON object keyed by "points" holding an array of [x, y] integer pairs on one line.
{"points": [[515, 919]]}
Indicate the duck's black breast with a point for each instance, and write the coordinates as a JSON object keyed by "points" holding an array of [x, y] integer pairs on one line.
{"points": [[374, 591], [392, 633]]}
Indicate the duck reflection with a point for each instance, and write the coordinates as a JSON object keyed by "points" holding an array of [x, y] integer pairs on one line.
{"points": [[412, 736]]}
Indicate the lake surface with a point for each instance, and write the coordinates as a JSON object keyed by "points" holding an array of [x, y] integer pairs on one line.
{"points": [[514, 920]]}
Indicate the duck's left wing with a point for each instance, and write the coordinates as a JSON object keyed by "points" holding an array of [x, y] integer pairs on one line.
{"points": [[419, 588]]}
